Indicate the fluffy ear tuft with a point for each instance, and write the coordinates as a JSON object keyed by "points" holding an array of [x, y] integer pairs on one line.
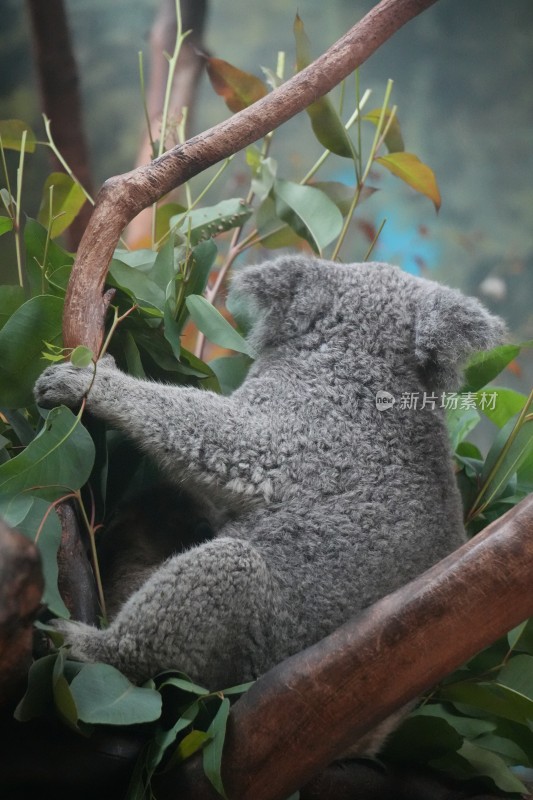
{"points": [[449, 329]]}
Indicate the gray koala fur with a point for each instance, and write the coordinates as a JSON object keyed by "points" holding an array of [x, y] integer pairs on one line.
{"points": [[327, 503]]}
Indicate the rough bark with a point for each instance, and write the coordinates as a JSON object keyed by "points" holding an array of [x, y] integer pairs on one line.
{"points": [[123, 197], [76, 582], [60, 97]]}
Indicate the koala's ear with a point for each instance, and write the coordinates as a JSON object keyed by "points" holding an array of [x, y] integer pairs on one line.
{"points": [[449, 328], [270, 283]]}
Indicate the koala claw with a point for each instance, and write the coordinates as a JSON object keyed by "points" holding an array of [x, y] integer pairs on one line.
{"points": [[63, 384]]}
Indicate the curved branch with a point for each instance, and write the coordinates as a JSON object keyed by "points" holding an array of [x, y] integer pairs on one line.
{"points": [[123, 197]]}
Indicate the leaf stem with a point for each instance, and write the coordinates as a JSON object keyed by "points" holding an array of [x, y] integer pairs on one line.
{"points": [[20, 173]]}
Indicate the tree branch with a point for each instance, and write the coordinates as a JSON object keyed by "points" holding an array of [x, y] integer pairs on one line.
{"points": [[124, 196]]}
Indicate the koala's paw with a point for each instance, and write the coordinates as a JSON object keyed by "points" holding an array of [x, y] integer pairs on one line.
{"points": [[85, 642], [63, 384]]}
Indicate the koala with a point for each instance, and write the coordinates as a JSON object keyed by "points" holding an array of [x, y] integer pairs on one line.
{"points": [[326, 502]]}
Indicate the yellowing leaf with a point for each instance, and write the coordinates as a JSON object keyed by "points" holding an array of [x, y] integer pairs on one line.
{"points": [[239, 89], [11, 131], [67, 200], [414, 172], [393, 139], [326, 123]]}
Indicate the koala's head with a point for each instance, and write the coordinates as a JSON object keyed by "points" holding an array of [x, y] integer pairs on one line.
{"points": [[372, 309]]}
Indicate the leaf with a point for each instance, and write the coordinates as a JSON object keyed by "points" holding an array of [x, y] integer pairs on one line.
{"points": [[239, 89], [81, 356], [467, 727], [517, 674], [213, 325], [342, 195], [230, 371], [104, 696], [394, 139], [11, 131], [414, 172], [492, 766], [57, 461], [309, 212], [483, 367], [203, 257], [6, 225], [496, 474], [460, 422], [11, 298], [212, 753], [427, 736], [38, 699], [326, 123], [21, 344], [44, 258], [32, 516], [521, 637], [67, 201], [489, 698], [272, 230], [190, 744], [137, 284], [500, 404], [203, 223]]}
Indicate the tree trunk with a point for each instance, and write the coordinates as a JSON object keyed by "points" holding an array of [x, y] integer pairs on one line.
{"points": [[60, 97]]}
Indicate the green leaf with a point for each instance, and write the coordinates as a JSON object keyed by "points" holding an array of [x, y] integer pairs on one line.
{"points": [[81, 356], [273, 231], [57, 461], [483, 367], [63, 698], [11, 131], [6, 225], [460, 422], [21, 344], [500, 404], [212, 753], [38, 699], [394, 139], [521, 637], [309, 212], [137, 284], [427, 736], [497, 473], [489, 698], [67, 201], [203, 223], [213, 325], [45, 259], [230, 371], [33, 517], [342, 195], [517, 674], [190, 744], [492, 766], [326, 123], [104, 696], [238, 89], [467, 727], [203, 258], [414, 172], [11, 298]]}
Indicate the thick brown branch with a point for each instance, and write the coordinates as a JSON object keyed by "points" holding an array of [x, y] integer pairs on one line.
{"points": [[122, 197], [305, 712]]}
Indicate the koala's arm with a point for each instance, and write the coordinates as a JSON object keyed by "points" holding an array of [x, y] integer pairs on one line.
{"points": [[191, 433]]}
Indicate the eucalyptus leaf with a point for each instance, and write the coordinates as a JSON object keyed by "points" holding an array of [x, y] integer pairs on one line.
{"points": [[213, 325], [104, 696], [38, 698], [484, 366], [230, 371], [203, 223], [62, 200], [414, 172], [11, 298], [6, 225], [11, 131], [309, 212], [59, 460], [502, 462], [499, 404], [212, 752], [21, 345]]}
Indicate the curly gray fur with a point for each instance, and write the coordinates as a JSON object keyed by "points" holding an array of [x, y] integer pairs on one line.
{"points": [[331, 503]]}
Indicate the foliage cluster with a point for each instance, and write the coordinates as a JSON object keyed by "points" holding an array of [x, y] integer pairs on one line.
{"points": [[480, 720]]}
